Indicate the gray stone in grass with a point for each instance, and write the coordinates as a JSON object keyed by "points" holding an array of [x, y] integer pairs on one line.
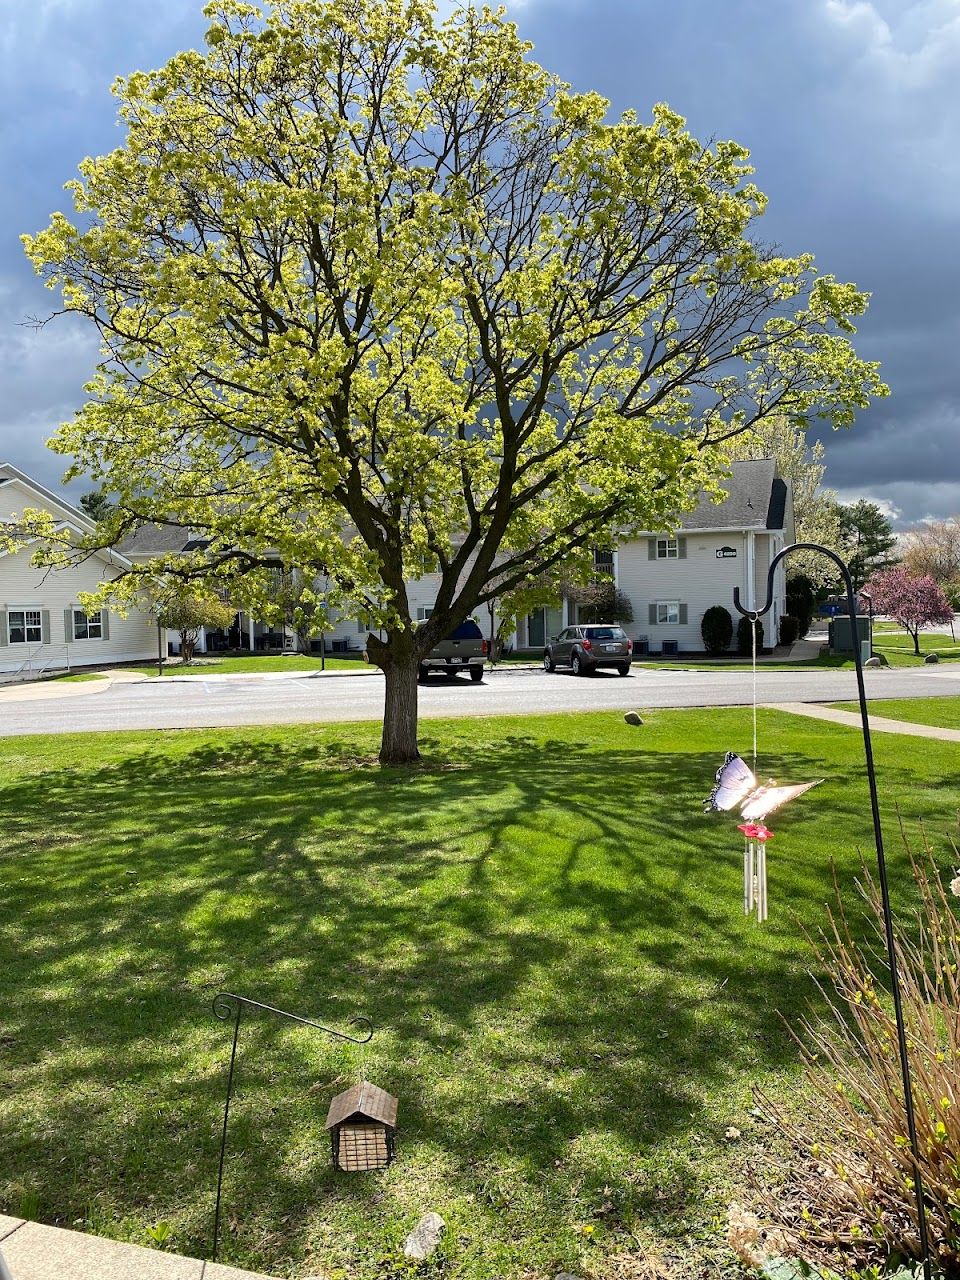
{"points": [[932, 657], [873, 662], [631, 717], [424, 1238]]}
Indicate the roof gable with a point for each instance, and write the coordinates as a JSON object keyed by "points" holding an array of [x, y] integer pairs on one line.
{"points": [[756, 499], [38, 495]]}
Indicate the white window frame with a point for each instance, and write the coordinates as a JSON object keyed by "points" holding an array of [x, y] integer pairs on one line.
{"points": [[664, 610], [89, 620], [424, 611], [25, 627], [668, 549]]}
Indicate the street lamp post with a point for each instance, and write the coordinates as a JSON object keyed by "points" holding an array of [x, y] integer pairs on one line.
{"points": [[755, 615]]}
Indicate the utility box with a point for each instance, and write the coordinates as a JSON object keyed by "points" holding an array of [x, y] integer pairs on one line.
{"points": [[841, 633]]}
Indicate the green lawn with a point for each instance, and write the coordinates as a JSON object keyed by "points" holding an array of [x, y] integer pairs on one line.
{"points": [[943, 712], [543, 926]]}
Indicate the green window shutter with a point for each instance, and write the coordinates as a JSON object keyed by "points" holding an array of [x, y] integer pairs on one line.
{"points": [[104, 624], [651, 548], [683, 615], [3, 627], [653, 615], [68, 625], [681, 548], [45, 626]]}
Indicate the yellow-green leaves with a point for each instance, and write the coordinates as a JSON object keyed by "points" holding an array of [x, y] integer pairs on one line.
{"points": [[379, 294]]}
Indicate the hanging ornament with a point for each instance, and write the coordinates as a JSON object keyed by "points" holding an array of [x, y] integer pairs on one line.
{"points": [[737, 786]]}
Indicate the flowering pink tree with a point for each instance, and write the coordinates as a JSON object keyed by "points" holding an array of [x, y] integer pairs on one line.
{"points": [[913, 602]]}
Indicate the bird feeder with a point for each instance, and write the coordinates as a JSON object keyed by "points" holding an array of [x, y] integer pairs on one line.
{"points": [[363, 1127]]}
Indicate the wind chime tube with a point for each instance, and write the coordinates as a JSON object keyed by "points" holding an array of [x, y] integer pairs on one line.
{"points": [[748, 873], [762, 878]]}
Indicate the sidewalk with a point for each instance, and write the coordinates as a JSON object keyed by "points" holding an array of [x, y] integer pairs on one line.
{"points": [[35, 1252], [882, 724]]}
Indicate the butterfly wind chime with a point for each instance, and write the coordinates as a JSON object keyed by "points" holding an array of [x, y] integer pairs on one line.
{"points": [[736, 785]]}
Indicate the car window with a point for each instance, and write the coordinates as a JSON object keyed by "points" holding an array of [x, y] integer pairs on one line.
{"points": [[606, 633], [467, 631]]}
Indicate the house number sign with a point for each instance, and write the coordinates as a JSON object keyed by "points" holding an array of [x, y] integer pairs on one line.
{"points": [[726, 553]]}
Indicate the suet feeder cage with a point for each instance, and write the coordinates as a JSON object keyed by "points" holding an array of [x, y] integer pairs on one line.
{"points": [[363, 1128]]}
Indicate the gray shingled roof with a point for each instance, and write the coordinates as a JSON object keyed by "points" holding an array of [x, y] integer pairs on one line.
{"points": [[156, 539], [757, 500]]}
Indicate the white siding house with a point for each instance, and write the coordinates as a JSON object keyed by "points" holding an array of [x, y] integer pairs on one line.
{"points": [[671, 580], [42, 625]]}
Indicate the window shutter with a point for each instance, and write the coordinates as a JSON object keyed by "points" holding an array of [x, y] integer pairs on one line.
{"points": [[104, 624], [653, 615], [681, 548], [683, 615], [651, 548], [68, 625], [44, 626], [3, 627]]}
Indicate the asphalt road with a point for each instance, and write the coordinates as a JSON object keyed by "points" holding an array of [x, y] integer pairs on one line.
{"points": [[240, 700]]}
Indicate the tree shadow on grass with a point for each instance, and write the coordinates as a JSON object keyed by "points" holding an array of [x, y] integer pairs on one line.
{"points": [[547, 938]]}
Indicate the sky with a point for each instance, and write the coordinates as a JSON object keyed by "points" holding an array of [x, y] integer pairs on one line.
{"points": [[849, 107]]}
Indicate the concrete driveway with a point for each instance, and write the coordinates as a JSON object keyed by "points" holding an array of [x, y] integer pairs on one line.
{"points": [[217, 701]]}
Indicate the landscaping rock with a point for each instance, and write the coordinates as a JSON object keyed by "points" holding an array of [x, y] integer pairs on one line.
{"points": [[931, 657], [566, 1275], [424, 1238], [873, 662], [632, 718]]}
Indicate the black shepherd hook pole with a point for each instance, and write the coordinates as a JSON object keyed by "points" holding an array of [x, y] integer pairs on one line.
{"points": [[229, 1008], [755, 615]]}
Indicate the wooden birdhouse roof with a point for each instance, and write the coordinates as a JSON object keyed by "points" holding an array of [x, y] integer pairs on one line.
{"points": [[364, 1100]]}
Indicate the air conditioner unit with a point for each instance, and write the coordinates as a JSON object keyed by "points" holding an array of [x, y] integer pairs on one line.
{"points": [[641, 647], [671, 647]]}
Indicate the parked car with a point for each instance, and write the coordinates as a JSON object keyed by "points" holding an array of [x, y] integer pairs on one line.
{"points": [[585, 649], [464, 650]]}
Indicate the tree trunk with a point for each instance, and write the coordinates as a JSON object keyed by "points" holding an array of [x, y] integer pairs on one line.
{"points": [[400, 663], [916, 641]]}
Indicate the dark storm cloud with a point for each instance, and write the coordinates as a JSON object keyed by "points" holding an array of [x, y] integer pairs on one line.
{"points": [[849, 108]]}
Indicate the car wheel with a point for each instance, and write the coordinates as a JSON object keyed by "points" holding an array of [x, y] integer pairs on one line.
{"points": [[624, 668], [548, 662], [476, 674], [578, 666]]}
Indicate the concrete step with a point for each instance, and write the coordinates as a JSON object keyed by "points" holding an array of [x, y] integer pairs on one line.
{"points": [[32, 1251]]}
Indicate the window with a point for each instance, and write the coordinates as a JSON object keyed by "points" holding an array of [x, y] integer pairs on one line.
{"points": [[87, 626], [603, 562], [423, 612], [668, 611], [24, 626], [667, 549]]}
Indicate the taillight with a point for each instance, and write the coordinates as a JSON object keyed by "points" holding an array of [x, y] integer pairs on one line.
{"points": [[587, 644], [486, 648], [629, 646]]}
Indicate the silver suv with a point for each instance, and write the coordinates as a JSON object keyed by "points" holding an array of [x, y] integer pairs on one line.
{"points": [[588, 648]]}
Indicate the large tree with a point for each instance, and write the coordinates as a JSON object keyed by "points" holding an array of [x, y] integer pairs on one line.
{"points": [[933, 548], [815, 509], [379, 295], [868, 540]]}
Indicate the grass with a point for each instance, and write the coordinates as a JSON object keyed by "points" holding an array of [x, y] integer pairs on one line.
{"points": [[942, 712], [543, 927]]}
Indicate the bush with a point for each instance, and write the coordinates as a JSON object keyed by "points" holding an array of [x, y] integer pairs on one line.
{"points": [[801, 602], [716, 628], [852, 1182], [744, 644], [789, 629]]}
